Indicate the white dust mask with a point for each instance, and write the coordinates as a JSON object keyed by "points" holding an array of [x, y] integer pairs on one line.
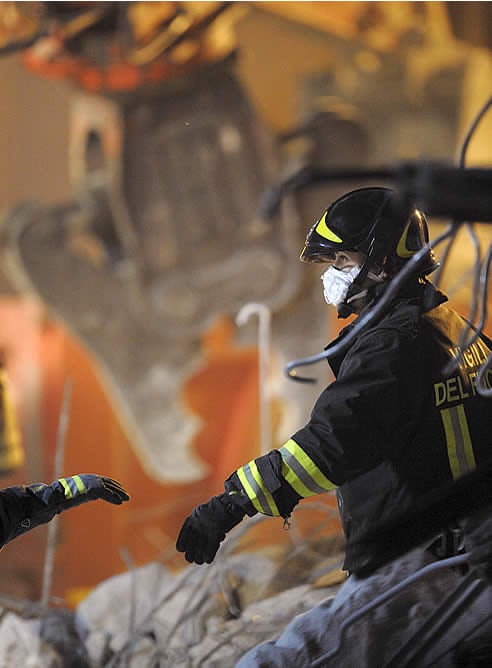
{"points": [[336, 283]]}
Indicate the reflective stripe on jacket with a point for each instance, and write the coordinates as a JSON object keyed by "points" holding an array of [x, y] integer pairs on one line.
{"points": [[394, 424]]}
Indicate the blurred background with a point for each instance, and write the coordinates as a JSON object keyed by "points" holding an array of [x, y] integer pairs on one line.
{"points": [[135, 141]]}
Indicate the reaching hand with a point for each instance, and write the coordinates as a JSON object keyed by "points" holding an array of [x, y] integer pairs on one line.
{"points": [[25, 507], [204, 530], [88, 487]]}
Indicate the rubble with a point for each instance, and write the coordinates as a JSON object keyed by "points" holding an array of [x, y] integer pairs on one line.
{"points": [[205, 615]]}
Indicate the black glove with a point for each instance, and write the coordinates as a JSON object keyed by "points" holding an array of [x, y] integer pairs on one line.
{"points": [[206, 527], [23, 508], [89, 487]]}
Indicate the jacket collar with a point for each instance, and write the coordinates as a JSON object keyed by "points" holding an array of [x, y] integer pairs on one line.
{"points": [[420, 292]]}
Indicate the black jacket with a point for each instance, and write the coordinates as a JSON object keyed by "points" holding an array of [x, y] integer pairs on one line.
{"points": [[394, 424]]}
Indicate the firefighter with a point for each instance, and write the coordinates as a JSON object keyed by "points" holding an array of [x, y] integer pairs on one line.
{"points": [[24, 507], [395, 424]]}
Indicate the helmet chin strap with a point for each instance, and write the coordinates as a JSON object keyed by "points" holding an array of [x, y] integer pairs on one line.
{"points": [[356, 290], [363, 293]]}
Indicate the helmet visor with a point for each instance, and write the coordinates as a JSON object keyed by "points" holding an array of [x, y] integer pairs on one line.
{"points": [[323, 241], [311, 253]]}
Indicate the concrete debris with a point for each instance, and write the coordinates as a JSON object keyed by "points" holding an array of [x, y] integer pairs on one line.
{"points": [[209, 616], [203, 616], [149, 616], [21, 644]]}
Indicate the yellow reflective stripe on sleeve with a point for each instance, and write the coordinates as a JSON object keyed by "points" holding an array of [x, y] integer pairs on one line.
{"points": [[301, 472], [248, 489], [268, 497], [458, 440], [256, 490], [295, 482], [467, 442], [80, 485], [38, 487], [66, 488]]}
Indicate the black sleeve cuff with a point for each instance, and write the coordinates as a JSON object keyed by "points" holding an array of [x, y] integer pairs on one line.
{"points": [[270, 469], [237, 496]]}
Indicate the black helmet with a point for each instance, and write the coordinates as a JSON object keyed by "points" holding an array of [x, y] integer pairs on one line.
{"points": [[372, 221]]}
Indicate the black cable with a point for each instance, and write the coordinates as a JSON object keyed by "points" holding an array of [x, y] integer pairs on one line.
{"points": [[443, 617], [385, 596], [444, 260], [371, 316], [471, 131], [483, 279], [465, 339], [484, 389], [309, 176], [21, 45], [416, 182]]}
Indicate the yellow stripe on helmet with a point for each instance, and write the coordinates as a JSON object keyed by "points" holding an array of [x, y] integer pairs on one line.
{"points": [[324, 231], [402, 250]]}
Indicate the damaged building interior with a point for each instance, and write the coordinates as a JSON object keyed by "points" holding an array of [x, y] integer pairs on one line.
{"points": [[162, 164]]}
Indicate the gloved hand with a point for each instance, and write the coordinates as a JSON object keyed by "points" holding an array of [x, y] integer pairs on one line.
{"points": [[89, 487], [204, 530], [25, 507]]}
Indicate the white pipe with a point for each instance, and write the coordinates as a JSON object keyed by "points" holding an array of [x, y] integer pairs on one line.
{"points": [[264, 327], [49, 560]]}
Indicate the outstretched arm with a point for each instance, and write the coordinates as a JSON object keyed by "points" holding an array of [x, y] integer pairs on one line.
{"points": [[25, 507], [257, 487]]}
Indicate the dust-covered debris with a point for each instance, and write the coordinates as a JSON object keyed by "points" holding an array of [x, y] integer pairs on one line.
{"points": [[201, 616]]}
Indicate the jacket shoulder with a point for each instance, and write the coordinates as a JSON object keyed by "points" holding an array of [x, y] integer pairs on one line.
{"points": [[403, 322]]}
